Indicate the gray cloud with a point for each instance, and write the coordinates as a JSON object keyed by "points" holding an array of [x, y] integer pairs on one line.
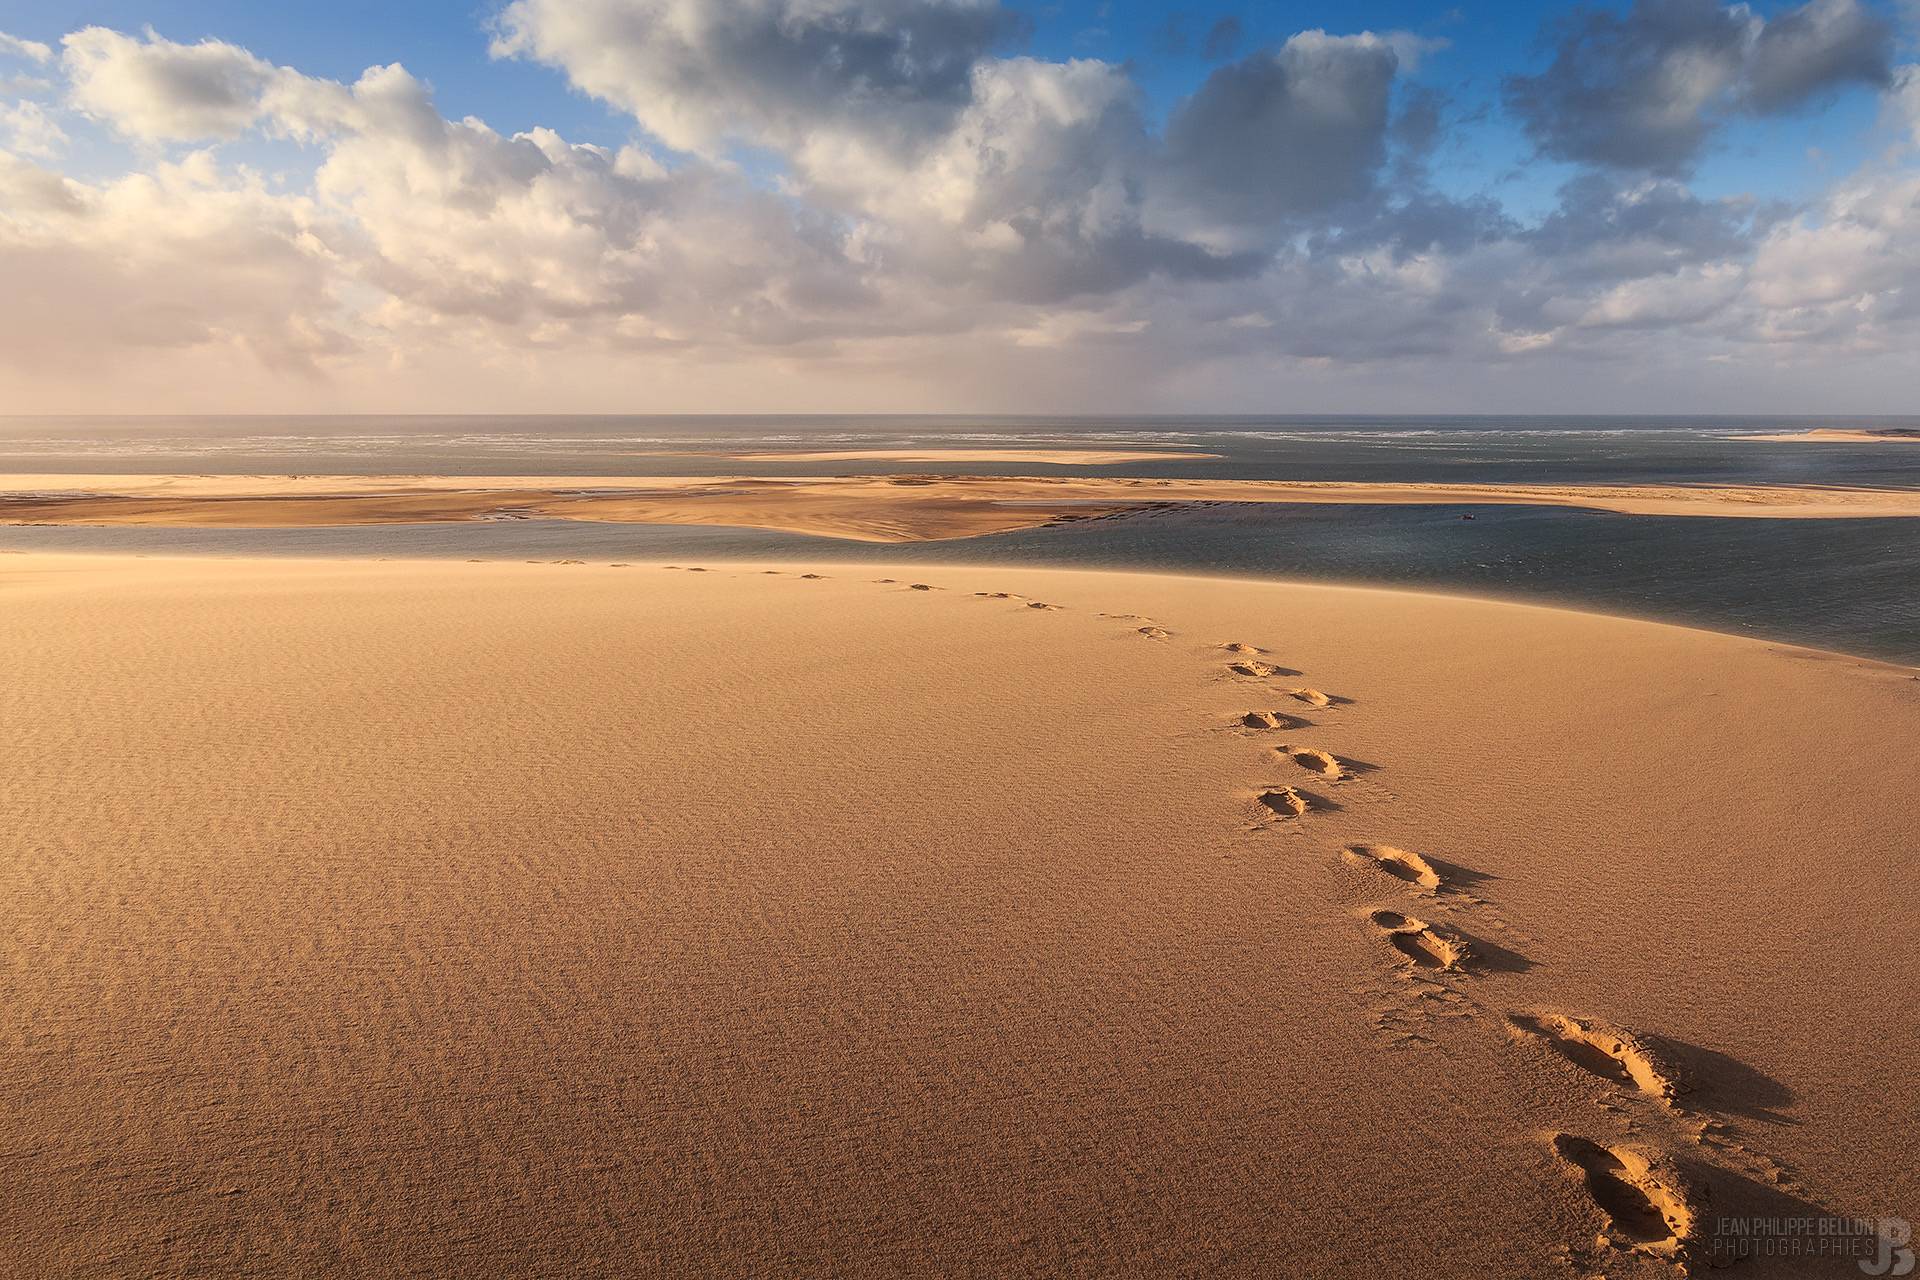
{"points": [[1223, 38], [161, 90], [1604, 230], [1284, 132], [1813, 49], [697, 74], [1004, 178], [1646, 90]]}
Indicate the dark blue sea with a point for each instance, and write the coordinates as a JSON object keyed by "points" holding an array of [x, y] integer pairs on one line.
{"points": [[1848, 585]]}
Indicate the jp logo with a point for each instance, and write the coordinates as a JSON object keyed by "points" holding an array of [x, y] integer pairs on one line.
{"points": [[1894, 1258]]}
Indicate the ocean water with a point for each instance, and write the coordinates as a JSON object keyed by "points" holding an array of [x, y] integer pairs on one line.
{"points": [[1849, 585]]}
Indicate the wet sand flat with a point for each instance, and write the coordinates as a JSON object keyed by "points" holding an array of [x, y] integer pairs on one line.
{"points": [[1048, 456], [897, 508]]}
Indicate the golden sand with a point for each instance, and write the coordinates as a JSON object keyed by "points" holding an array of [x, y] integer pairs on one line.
{"points": [[1835, 435], [863, 508], [557, 919]]}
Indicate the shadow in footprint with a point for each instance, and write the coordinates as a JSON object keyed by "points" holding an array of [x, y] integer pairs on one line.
{"points": [[1274, 720], [1315, 698], [1416, 947], [1611, 1053], [1315, 761], [1651, 1208], [1491, 956], [1283, 802], [1455, 876], [1422, 945], [1403, 865], [1325, 763], [1319, 802], [1257, 670], [1725, 1085]]}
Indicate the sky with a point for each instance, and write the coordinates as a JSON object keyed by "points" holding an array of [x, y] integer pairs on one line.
{"points": [[967, 206]]}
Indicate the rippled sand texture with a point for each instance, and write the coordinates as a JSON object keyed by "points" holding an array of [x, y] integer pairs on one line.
{"points": [[570, 919]]}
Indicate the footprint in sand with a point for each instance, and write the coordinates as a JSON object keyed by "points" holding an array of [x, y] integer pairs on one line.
{"points": [[1315, 761], [918, 586], [1271, 720], [885, 582], [1608, 1052], [1643, 1205], [1035, 604], [619, 564], [1235, 646], [1398, 863], [994, 595], [1285, 801], [1312, 697], [812, 577], [1255, 669], [1423, 944], [1153, 633]]}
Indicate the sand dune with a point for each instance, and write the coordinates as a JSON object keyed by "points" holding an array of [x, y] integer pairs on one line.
{"points": [[540, 919], [861, 508]]}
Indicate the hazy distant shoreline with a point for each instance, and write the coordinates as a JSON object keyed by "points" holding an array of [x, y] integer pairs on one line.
{"points": [[1839, 435]]}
